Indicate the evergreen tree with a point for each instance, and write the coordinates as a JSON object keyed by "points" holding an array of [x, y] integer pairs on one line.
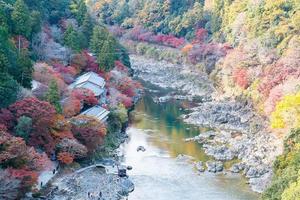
{"points": [[21, 19], [9, 90], [3, 63], [24, 127], [22, 72], [107, 57], [71, 39], [87, 27], [100, 35], [79, 9], [53, 96], [36, 21], [82, 11]]}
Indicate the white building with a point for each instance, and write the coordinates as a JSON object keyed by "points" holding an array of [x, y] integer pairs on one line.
{"points": [[97, 112]]}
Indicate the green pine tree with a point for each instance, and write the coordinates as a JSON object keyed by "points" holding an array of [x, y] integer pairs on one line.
{"points": [[100, 35], [53, 96], [9, 89], [71, 39], [107, 56], [21, 19], [22, 72], [87, 27]]}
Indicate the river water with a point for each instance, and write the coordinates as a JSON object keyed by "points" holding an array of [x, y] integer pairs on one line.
{"points": [[161, 173]]}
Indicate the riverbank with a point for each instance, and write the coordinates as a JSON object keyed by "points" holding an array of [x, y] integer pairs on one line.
{"points": [[240, 133]]}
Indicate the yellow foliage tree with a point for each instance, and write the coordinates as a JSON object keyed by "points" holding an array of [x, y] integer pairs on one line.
{"points": [[287, 112]]}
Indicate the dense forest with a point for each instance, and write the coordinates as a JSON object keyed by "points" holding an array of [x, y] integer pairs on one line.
{"points": [[251, 49], [45, 45]]}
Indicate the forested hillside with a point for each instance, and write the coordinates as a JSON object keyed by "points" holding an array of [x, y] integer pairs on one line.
{"points": [[44, 47], [251, 49]]}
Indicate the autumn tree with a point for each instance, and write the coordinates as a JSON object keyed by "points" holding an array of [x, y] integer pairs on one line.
{"points": [[42, 114], [72, 146], [65, 158], [89, 131], [9, 186]]}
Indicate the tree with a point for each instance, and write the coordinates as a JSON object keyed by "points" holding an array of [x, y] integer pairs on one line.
{"points": [[21, 19], [71, 39], [73, 147], [24, 127], [79, 9], [24, 69], [100, 35], [9, 186], [87, 27], [42, 114], [9, 90], [65, 158], [53, 96], [107, 57], [89, 131]]}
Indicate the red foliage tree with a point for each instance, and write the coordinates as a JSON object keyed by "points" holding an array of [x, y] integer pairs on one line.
{"points": [[65, 158], [240, 77], [27, 177], [68, 73], [42, 114], [85, 96], [7, 118], [89, 131], [125, 100], [201, 35], [73, 147], [71, 107], [79, 62], [121, 67], [91, 62], [45, 74]]}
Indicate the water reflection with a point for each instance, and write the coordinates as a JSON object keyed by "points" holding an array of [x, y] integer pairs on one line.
{"points": [[167, 129], [157, 174]]}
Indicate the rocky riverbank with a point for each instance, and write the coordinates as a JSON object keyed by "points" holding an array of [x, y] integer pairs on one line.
{"points": [[167, 75], [238, 132], [92, 183]]}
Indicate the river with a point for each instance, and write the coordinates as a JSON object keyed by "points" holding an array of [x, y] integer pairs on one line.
{"points": [[161, 173]]}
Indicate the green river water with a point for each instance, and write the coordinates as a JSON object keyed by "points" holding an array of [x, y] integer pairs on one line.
{"points": [[158, 173]]}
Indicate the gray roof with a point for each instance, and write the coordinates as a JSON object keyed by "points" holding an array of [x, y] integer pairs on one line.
{"points": [[91, 77], [91, 81], [98, 112], [94, 88]]}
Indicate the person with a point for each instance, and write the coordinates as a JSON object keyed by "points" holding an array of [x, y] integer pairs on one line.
{"points": [[100, 194], [54, 170], [89, 194]]}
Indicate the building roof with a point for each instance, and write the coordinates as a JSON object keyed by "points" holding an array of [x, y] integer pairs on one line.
{"points": [[91, 77], [94, 88], [98, 112], [91, 81]]}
